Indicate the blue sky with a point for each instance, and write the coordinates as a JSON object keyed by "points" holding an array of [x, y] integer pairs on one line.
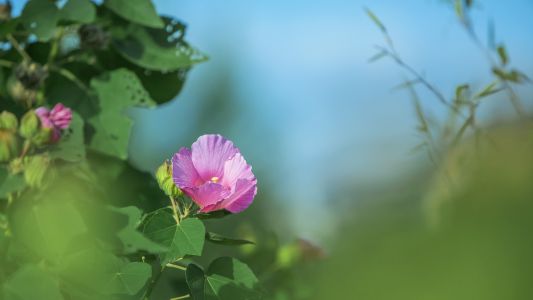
{"points": [[310, 112]]}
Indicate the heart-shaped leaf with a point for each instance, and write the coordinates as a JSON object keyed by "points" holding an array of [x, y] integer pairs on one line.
{"points": [[185, 238]]}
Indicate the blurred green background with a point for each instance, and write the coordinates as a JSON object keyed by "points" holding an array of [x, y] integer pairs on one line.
{"points": [[330, 142]]}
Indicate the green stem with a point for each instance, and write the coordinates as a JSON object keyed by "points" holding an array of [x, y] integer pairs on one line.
{"points": [[176, 267], [19, 48], [55, 46], [6, 63], [175, 210], [181, 297]]}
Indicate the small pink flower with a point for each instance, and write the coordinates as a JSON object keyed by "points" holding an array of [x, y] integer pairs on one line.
{"points": [[215, 175], [57, 119]]}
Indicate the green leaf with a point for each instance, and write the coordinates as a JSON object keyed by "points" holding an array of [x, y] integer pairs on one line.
{"points": [[10, 183], [195, 278], [502, 53], [229, 279], [81, 11], [132, 239], [512, 76], [47, 227], [71, 146], [186, 238], [376, 20], [138, 11], [222, 240], [378, 56], [101, 272], [40, 18], [116, 91], [35, 168], [459, 9], [488, 90], [30, 283], [218, 214], [157, 49]]}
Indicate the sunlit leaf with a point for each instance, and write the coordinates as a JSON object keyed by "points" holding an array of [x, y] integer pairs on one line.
{"points": [[40, 18], [101, 272], [137, 11], [157, 49], [185, 238], [81, 11], [71, 146], [229, 279], [132, 239], [31, 282], [116, 91]]}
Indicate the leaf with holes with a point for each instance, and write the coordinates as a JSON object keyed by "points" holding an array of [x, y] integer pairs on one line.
{"points": [[116, 91], [71, 147], [185, 238], [157, 49], [138, 11]]}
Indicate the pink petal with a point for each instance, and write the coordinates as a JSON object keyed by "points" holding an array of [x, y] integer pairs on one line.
{"points": [[207, 194], [183, 172], [44, 115], [61, 116], [209, 154], [236, 168], [243, 196]]}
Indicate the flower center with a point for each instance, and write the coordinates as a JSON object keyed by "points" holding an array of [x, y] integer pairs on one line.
{"points": [[214, 179]]}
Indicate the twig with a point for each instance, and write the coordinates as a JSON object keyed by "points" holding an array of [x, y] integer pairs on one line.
{"points": [[17, 47]]}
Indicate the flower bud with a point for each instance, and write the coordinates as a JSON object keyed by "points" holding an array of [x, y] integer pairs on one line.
{"points": [[163, 176], [5, 11], [31, 75], [93, 37], [9, 145], [29, 124], [43, 136], [8, 121]]}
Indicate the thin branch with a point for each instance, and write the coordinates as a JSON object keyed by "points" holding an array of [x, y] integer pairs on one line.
{"points": [[18, 47]]}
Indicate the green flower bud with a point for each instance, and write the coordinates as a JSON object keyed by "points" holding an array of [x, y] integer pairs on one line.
{"points": [[29, 124], [163, 176], [9, 145], [43, 136], [8, 121]]}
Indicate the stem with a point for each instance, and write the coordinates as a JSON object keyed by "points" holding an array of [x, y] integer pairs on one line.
{"points": [[25, 149], [70, 76], [175, 210], [176, 267], [55, 46], [19, 48], [6, 63], [181, 297]]}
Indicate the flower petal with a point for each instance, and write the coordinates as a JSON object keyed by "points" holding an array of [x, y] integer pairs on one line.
{"points": [[183, 172], [44, 115], [236, 168], [209, 153], [243, 196], [61, 116], [207, 194]]}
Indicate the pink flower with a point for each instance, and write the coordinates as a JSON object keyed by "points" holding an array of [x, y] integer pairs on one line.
{"points": [[57, 119], [215, 175]]}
